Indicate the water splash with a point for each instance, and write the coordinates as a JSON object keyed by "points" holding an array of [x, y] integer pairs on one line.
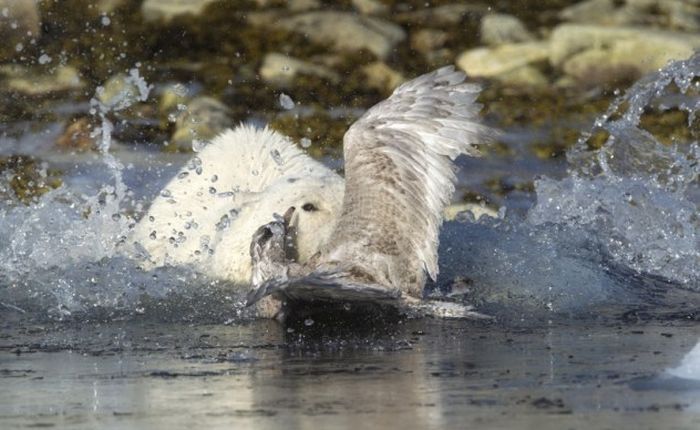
{"points": [[635, 195], [61, 257]]}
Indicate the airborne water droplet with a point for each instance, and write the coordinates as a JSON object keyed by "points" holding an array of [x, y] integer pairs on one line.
{"points": [[277, 157]]}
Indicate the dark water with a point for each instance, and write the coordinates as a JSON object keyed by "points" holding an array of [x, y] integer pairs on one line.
{"points": [[414, 374]]}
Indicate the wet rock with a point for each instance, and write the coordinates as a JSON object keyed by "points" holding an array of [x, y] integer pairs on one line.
{"points": [[580, 49], [625, 59], [370, 7], [382, 77], [491, 62], [154, 10], [428, 40], [172, 96], [524, 77], [19, 24], [457, 211], [590, 11], [118, 90], [76, 136], [449, 14], [674, 14], [25, 178], [108, 6], [303, 5], [202, 119], [499, 29], [346, 31], [281, 69], [37, 82]]}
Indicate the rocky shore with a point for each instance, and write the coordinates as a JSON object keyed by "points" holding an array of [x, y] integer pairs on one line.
{"points": [[214, 63]]}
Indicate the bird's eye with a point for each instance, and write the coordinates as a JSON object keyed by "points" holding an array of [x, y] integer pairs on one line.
{"points": [[309, 207]]}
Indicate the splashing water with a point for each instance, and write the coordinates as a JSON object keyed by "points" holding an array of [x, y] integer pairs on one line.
{"points": [[638, 197], [62, 257], [620, 227]]}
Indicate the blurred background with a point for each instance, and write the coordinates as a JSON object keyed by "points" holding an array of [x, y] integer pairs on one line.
{"points": [[309, 68]]}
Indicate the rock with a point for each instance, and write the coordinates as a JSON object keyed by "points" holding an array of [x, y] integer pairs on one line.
{"points": [[202, 120], [453, 211], [34, 81], [108, 6], [370, 7], [674, 14], [154, 10], [117, 90], [172, 96], [428, 40], [499, 29], [491, 62], [625, 59], [653, 48], [525, 76], [449, 14], [382, 77], [303, 5], [346, 31], [77, 136], [19, 24], [281, 70], [590, 11]]}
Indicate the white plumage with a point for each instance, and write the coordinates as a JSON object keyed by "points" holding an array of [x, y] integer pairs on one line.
{"points": [[206, 215]]}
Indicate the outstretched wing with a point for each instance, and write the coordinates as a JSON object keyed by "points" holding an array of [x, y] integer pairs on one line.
{"points": [[399, 175]]}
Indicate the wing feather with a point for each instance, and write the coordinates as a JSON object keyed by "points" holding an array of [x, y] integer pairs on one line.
{"points": [[399, 175]]}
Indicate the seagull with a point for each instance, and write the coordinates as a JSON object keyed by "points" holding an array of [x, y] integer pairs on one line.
{"points": [[399, 176]]}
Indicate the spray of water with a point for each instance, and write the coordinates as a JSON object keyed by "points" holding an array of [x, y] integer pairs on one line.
{"points": [[637, 196]]}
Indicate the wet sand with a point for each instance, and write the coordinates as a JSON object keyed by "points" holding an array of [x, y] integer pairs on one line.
{"points": [[415, 374]]}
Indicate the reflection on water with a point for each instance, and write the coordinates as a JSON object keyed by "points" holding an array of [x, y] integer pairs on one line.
{"points": [[419, 374]]}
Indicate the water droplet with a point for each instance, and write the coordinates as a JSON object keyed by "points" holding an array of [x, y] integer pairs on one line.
{"points": [[214, 179], [277, 157], [44, 59], [212, 190], [305, 142], [286, 102], [152, 235], [199, 145], [183, 175], [308, 322], [105, 20], [223, 224], [166, 193]]}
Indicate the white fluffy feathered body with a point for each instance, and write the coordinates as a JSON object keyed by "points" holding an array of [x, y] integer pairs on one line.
{"points": [[206, 215]]}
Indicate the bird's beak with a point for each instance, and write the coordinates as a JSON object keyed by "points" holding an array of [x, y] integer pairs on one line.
{"points": [[288, 216], [290, 219]]}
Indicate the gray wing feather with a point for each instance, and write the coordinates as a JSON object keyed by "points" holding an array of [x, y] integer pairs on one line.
{"points": [[400, 174], [323, 286], [337, 287]]}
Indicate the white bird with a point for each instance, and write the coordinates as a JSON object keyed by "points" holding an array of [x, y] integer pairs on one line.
{"points": [[206, 215], [399, 176]]}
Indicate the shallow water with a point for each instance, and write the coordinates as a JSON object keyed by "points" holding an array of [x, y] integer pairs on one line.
{"points": [[418, 374]]}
